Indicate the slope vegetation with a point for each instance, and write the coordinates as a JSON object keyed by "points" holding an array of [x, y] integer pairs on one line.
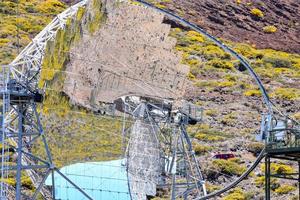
{"points": [[265, 24], [231, 100]]}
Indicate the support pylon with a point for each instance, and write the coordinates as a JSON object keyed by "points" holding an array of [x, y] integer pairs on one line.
{"points": [[177, 167], [21, 128]]}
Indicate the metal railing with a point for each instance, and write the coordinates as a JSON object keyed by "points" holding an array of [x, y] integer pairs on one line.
{"points": [[283, 133]]}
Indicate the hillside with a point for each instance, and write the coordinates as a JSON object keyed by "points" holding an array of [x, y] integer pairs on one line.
{"points": [[231, 100], [263, 24], [17, 32]]}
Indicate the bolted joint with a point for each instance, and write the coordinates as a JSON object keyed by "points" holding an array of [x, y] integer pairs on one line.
{"points": [[52, 166]]}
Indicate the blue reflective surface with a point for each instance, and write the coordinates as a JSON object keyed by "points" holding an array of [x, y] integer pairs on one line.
{"points": [[101, 180]]}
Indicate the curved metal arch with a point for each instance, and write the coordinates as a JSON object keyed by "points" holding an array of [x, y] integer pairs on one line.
{"points": [[237, 181], [246, 64], [198, 29], [27, 65], [25, 68]]}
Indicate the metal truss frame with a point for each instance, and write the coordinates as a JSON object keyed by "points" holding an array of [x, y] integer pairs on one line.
{"points": [[288, 176], [27, 65], [18, 133], [21, 129], [26, 69], [178, 145]]}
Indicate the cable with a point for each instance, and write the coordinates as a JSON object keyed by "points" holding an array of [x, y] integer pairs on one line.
{"points": [[237, 181]]}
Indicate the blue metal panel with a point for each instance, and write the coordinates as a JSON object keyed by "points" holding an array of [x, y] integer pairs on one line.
{"points": [[101, 180]]}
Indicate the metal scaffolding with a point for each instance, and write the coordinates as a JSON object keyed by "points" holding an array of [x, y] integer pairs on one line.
{"points": [[20, 124], [159, 150], [21, 127], [172, 152], [282, 140]]}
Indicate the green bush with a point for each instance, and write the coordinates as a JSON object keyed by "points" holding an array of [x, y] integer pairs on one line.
{"points": [[256, 12], [236, 194], [51, 6], [195, 36], [211, 112], [205, 133], [229, 167], [296, 116], [201, 149], [277, 62], [229, 119], [225, 84], [192, 130], [4, 42], [270, 29], [279, 168], [210, 188], [207, 84], [192, 62], [244, 49], [260, 182], [255, 147], [98, 16], [286, 93], [211, 51], [8, 30], [26, 182], [9, 181], [285, 189], [252, 93], [208, 138], [231, 77], [221, 64]]}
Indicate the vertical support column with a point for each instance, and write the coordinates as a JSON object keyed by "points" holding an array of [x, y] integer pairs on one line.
{"points": [[197, 171], [185, 197], [19, 151], [174, 163], [53, 184], [267, 178], [5, 105], [299, 179], [124, 134], [173, 195]]}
